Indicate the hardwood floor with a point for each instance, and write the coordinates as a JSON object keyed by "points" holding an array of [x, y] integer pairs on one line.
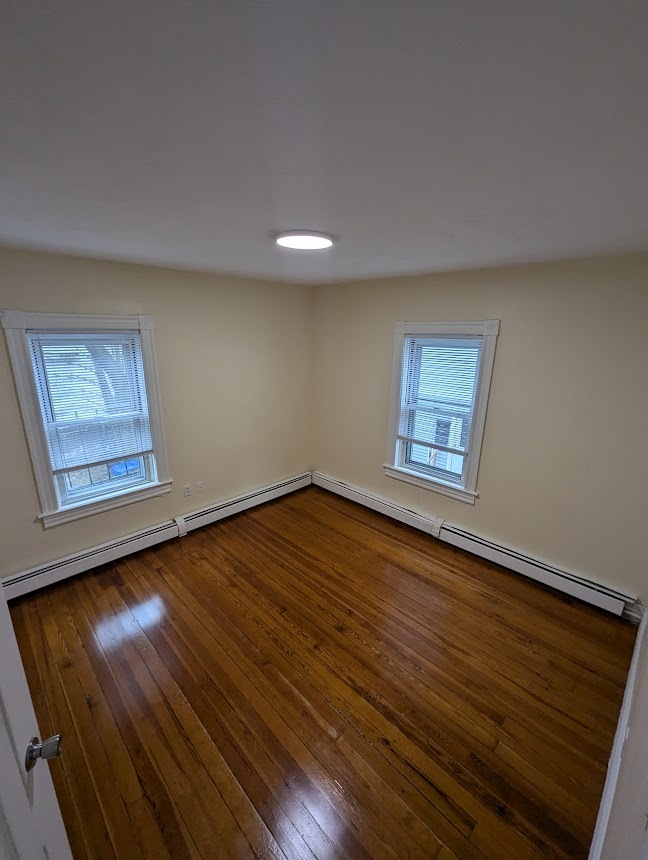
{"points": [[309, 679]]}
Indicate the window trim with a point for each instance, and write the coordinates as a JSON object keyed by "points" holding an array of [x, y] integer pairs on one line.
{"points": [[16, 324], [488, 330]]}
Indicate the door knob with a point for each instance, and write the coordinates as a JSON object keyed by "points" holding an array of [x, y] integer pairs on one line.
{"points": [[47, 749]]}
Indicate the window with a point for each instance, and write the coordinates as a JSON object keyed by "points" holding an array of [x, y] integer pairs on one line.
{"points": [[88, 393], [441, 379]]}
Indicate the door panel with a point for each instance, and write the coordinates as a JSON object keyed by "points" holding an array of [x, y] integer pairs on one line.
{"points": [[31, 826]]}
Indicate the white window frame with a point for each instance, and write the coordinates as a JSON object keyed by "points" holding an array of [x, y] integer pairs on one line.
{"points": [[16, 325], [394, 467]]}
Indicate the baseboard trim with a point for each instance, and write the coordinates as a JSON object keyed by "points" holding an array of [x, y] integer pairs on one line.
{"points": [[403, 515], [204, 516], [566, 581], [620, 737], [55, 571], [635, 612]]}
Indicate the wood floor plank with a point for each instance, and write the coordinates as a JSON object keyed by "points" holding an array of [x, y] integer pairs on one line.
{"points": [[448, 819], [106, 735], [309, 679], [583, 735], [156, 702], [409, 595], [47, 724], [465, 655], [231, 704], [446, 565], [113, 810], [465, 770], [284, 667], [216, 639], [89, 820], [178, 841]]}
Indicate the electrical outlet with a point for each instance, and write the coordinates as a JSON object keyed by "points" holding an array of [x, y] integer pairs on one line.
{"points": [[200, 486], [187, 489]]}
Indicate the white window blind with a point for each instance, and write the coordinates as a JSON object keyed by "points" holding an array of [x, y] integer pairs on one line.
{"points": [[438, 392], [92, 396]]}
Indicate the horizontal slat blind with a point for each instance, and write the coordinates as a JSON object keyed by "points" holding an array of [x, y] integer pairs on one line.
{"points": [[92, 396], [438, 390]]}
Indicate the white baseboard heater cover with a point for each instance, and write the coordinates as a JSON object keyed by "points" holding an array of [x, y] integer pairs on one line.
{"points": [[233, 506], [565, 581], [561, 580], [55, 571], [592, 592]]}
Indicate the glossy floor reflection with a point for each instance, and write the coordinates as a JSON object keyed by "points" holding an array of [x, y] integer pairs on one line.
{"points": [[309, 679]]}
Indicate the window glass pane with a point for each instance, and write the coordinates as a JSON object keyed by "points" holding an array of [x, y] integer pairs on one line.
{"points": [[78, 479], [447, 376], [451, 432], [437, 403], [98, 474], [127, 467], [93, 398], [90, 379], [106, 476], [443, 464]]}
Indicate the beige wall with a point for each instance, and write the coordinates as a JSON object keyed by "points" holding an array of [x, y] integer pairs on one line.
{"points": [[564, 467], [234, 366]]}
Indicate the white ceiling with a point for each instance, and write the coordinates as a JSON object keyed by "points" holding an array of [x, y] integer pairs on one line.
{"points": [[426, 134]]}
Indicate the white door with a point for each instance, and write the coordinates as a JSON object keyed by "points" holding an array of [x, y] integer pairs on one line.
{"points": [[31, 827]]}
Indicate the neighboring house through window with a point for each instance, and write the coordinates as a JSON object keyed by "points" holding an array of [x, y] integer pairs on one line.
{"points": [[88, 392], [440, 386]]}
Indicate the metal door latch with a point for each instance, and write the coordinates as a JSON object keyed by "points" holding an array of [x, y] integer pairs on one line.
{"points": [[47, 749]]}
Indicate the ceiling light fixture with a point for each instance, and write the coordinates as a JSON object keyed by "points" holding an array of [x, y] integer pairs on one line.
{"points": [[304, 240]]}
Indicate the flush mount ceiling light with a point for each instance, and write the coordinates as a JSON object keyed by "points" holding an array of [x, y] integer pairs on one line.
{"points": [[304, 240]]}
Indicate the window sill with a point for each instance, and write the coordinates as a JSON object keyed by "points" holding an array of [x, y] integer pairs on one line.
{"points": [[453, 492], [118, 500]]}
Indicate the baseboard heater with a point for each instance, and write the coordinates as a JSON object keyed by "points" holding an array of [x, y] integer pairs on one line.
{"points": [[55, 571], [570, 583], [233, 506], [562, 580]]}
